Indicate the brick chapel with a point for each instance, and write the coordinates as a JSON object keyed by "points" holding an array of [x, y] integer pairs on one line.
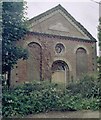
{"points": [[60, 49]]}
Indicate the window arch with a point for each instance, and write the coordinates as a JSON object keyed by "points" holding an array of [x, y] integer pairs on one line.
{"points": [[34, 62], [81, 62], [59, 65]]}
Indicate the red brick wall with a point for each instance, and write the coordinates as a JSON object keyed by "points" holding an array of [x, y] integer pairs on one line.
{"points": [[49, 56]]}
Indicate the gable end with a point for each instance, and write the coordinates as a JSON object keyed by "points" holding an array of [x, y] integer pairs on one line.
{"points": [[59, 7]]}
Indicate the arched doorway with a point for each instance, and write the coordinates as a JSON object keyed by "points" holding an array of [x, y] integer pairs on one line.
{"points": [[81, 62], [34, 62], [60, 72]]}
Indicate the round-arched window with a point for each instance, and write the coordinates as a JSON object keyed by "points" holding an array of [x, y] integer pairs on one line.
{"points": [[59, 48], [34, 61], [81, 62]]}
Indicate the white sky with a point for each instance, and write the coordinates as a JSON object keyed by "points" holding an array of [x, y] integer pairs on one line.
{"points": [[84, 11]]}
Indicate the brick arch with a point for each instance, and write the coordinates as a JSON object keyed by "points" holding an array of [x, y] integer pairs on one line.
{"points": [[81, 46], [61, 59], [34, 62], [32, 41], [81, 62]]}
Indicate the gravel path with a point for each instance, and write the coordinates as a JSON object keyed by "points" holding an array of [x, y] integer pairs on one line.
{"points": [[68, 114]]}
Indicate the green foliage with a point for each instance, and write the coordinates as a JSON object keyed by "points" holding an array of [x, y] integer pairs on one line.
{"points": [[13, 29], [99, 66], [91, 103], [88, 87], [31, 98]]}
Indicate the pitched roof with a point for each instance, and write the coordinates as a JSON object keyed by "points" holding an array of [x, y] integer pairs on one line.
{"points": [[59, 7]]}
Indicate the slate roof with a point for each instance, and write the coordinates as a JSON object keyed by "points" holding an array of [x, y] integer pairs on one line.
{"points": [[59, 7]]}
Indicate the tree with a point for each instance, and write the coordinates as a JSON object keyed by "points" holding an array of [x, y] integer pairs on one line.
{"points": [[0, 38], [99, 59], [13, 29]]}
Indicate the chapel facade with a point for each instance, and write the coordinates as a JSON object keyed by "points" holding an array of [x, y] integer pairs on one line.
{"points": [[60, 49]]}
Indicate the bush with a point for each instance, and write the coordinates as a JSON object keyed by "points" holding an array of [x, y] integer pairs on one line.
{"points": [[43, 96], [88, 87], [29, 98], [70, 103], [90, 103]]}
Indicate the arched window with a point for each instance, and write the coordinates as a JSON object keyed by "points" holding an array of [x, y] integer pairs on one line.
{"points": [[81, 62], [60, 72], [34, 63]]}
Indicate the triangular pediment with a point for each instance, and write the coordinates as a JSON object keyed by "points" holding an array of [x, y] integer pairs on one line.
{"points": [[59, 22]]}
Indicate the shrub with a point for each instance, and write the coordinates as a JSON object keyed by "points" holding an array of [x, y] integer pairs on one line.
{"points": [[90, 103], [43, 96], [70, 103], [29, 98], [88, 87]]}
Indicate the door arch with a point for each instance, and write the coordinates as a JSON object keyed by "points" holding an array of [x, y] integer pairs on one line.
{"points": [[60, 72], [81, 62], [34, 62]]}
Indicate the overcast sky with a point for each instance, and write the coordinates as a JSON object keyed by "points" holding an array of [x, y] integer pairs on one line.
{"points": [[84, 11]]}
